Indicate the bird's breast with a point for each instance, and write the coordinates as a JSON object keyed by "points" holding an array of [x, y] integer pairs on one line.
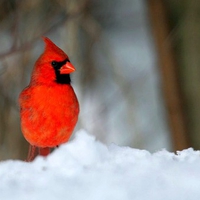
{"points": [[48, 114]]}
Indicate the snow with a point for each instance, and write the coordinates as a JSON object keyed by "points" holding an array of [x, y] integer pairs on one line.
{"points": [[85, 168]]}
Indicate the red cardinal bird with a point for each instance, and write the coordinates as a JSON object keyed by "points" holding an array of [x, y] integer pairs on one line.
{"points": [[48, 105]]}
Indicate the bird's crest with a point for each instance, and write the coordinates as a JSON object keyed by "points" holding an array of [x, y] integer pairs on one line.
{"points": [[51, 48]]}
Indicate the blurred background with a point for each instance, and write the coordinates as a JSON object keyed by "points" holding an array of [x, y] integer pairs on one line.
{"points": [[137, 61]]}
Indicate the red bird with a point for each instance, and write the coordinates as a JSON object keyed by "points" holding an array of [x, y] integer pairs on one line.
{"points": [[48, 105]]}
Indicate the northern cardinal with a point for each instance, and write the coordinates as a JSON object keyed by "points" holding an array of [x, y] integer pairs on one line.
{"points": [[48, 105]]}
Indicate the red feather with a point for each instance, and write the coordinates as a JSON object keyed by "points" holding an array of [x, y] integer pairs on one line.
{"points": [[49, 110]]}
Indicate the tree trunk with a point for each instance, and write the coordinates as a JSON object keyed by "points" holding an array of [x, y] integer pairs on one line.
{"points": [[170, 79]]}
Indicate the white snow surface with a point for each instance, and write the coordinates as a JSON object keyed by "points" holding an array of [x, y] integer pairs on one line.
{"points": [[85, 169]]}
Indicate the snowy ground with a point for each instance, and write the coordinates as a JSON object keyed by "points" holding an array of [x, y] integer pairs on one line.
{"points": [[86, 169]]}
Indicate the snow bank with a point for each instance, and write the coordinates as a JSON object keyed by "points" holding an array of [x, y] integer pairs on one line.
{"points": [[86, 169]]}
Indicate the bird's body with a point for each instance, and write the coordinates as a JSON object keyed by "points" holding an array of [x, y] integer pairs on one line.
{"points": [[49, 107], [49, 114]]}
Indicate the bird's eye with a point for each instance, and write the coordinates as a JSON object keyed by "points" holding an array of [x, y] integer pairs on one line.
{"points": [[54, 63]]}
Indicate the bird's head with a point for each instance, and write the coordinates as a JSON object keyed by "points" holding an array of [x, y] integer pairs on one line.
{"points": [[53, 65]]}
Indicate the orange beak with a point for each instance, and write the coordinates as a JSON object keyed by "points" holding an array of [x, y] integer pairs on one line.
{"points": [[67, 68]]}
